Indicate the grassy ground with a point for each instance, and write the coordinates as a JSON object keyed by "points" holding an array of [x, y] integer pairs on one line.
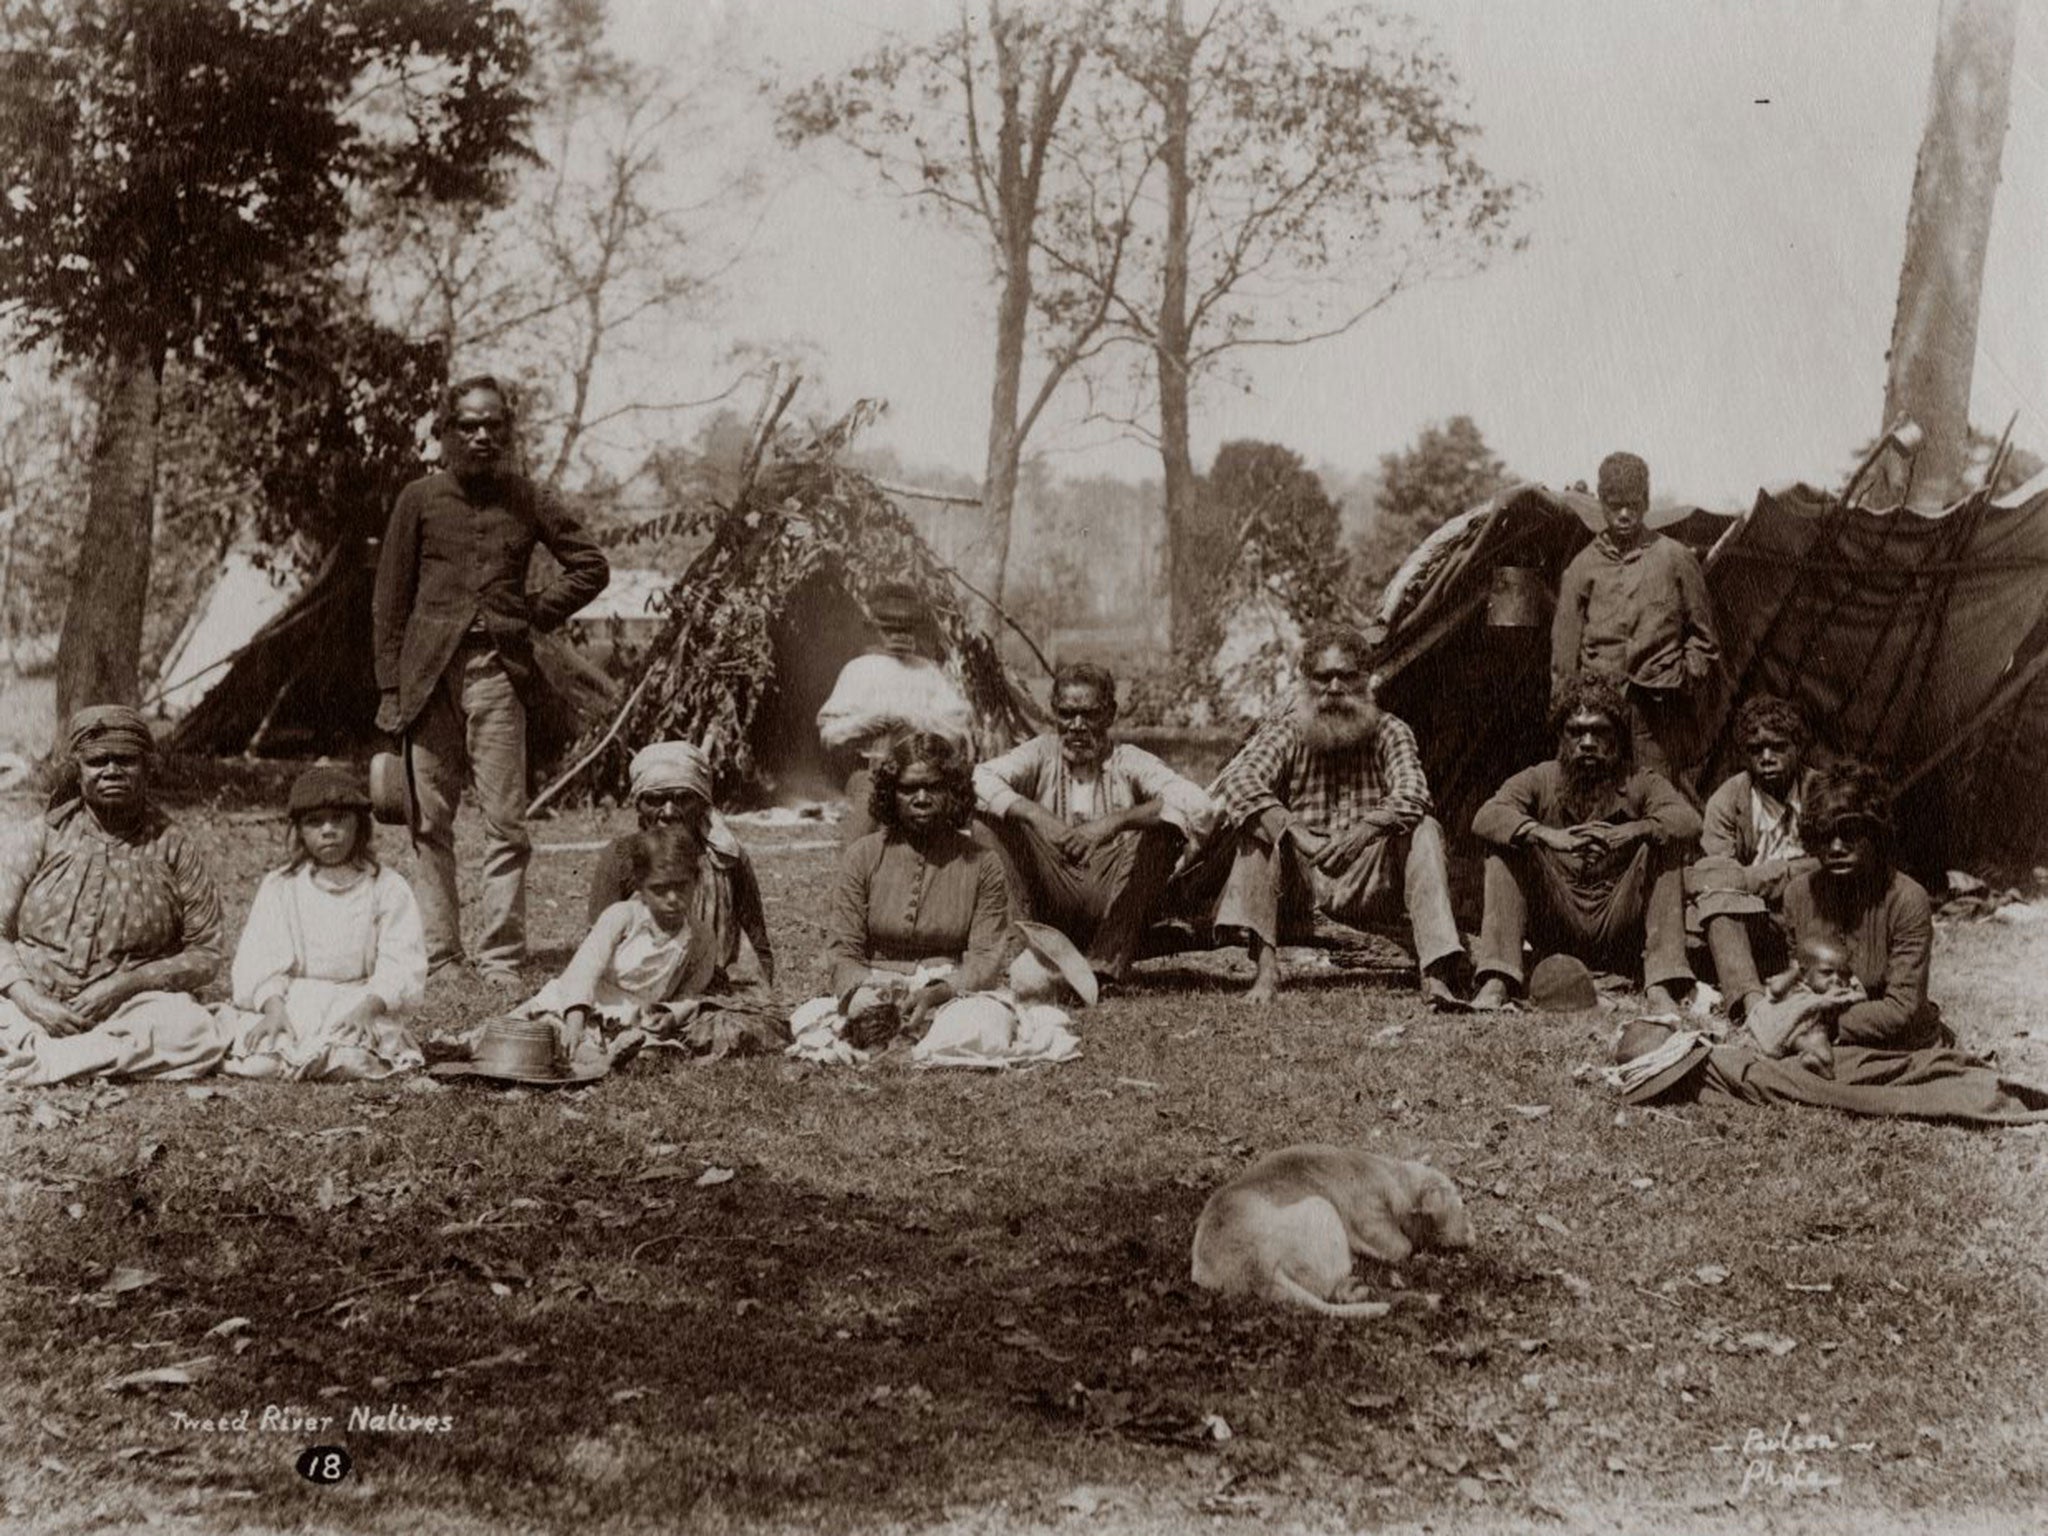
{"points": [[960, 1301]]}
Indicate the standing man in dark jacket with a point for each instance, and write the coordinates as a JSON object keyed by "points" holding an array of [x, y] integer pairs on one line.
{"points": [[454, 631]]}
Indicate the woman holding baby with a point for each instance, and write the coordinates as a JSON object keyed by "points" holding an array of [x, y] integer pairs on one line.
{"points": [[1879, 918]]}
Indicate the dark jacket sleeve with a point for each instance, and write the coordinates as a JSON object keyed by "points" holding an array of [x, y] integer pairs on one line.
{"points": [[1514, 803], [988, 939], [584, 568], [398, 576], [1702, 650], [751, 915], [610, 881], [846, 921], [1666, 809], [1568, 625], [1895, 1018]]}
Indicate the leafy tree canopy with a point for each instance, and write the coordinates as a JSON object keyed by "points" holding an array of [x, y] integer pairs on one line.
{"points": [[167, 161]]}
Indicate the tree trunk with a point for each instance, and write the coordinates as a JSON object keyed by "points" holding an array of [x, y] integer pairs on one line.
{"points": [[99, 653], [1016, 212], [1171, 354], [1948, 226]]}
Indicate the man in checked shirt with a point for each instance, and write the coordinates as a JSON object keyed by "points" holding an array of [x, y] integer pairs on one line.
{"points": [[1329, 811]]}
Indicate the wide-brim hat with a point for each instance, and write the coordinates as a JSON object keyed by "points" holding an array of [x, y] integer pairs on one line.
{"points": [[522, 1051], [1562, 984], [1639, 1037], [391, 796], [1057, 950]]}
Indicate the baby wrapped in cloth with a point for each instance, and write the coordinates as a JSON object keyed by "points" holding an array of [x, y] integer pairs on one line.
{"points": [[1009, 1025]]}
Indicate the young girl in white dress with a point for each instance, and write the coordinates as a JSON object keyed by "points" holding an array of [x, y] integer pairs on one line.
{"points": [[640, 956], [333, 960]]}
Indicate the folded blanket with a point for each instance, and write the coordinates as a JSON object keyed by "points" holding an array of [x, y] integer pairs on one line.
{"points": [[1937, 1083]]}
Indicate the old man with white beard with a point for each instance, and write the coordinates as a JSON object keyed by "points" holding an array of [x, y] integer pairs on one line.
{"points": [[1328, 812]]}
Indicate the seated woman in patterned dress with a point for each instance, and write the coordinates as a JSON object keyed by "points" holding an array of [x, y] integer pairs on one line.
{"points": [[109, 922]]}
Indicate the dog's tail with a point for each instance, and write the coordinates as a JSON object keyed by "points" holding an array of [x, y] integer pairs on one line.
{"points": [[1288, 1289]]}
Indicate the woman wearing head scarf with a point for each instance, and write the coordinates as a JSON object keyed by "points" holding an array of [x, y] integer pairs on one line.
{"points": [[109, 921], [670, 783]]}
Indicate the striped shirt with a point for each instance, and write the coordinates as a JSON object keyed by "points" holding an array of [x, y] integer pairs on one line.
{"points": [[1378, 782]]}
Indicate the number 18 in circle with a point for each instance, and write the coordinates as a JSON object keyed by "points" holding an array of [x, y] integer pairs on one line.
{"points": [[324, 1464]]}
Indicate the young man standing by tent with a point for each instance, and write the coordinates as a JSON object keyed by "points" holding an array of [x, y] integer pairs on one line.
{"points": [[1328, 811], [893, 690], [1089, 831], [454, 628], [1633, 605], [1588, 852]]}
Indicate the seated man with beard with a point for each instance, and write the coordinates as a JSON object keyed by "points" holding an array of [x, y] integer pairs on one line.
{"points": [[1089, 832], [1327, 810], [1588, 856]]}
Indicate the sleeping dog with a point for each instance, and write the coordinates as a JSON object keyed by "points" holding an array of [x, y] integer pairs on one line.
{"points": [[1287, 1227]]}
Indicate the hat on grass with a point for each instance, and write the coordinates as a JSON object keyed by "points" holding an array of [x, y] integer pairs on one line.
{"points": [[1050, 954], [1562, 984], [1652, 1058], [523, 1051]]}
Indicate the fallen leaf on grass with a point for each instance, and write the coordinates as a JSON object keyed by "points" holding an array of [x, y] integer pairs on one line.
{"points": [[75, 1210], [1820, 1289], [1768, 1343], [1641, 1184], [1471, 1490], [127, 1277], [712, 1176], [1506, 1441], [1390, 1034], [1464, 1351], [47, 1116], [1085, 1501], [1711, 1274], [504, 1358], [1578, 1285], [227, 1326], [1450, 1463], [629, 1394], [1532, 1111], [1031, 1343], [183, 1374], [1373, 1402], [1550, 1223]]}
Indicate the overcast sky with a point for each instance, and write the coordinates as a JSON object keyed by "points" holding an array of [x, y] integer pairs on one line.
{"points": [[1709, 280]]}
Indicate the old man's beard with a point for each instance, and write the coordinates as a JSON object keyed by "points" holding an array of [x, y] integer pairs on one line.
{"points": [[1335, 725], [1589, 787]]}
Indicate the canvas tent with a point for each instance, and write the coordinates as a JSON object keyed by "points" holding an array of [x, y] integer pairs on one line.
{"points": [[1916, 642], [245, 596], [301, 680]]}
